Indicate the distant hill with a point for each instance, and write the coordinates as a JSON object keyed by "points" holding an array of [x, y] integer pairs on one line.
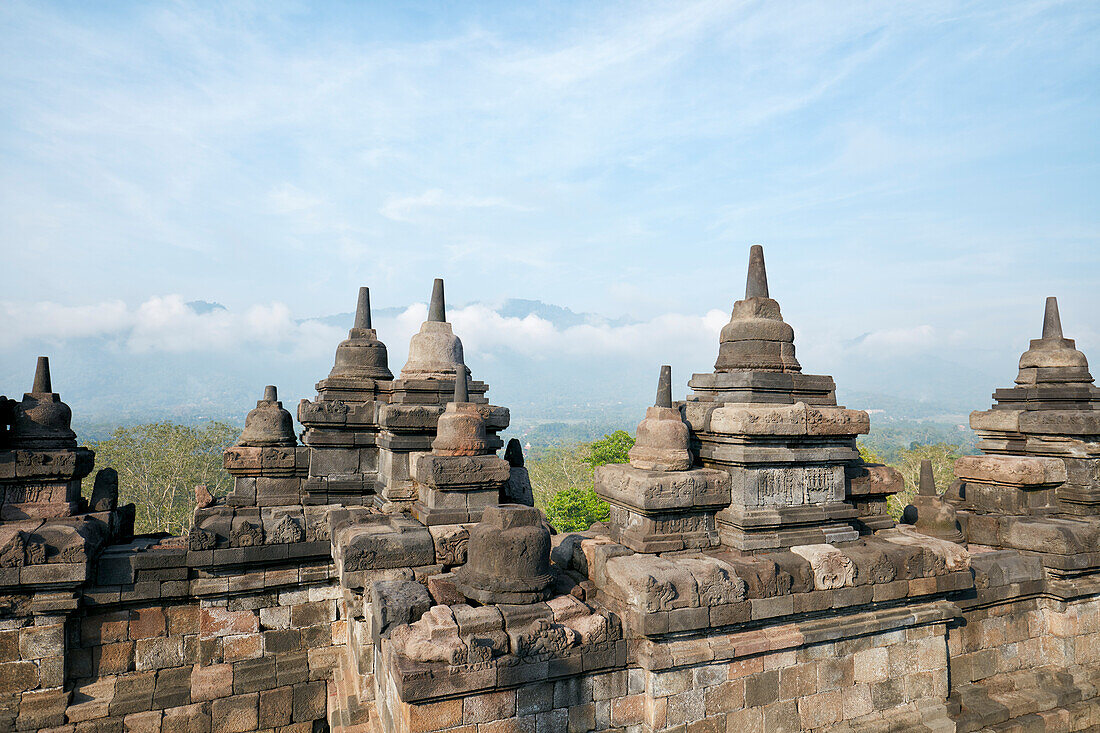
{"points": [[576, 394]]}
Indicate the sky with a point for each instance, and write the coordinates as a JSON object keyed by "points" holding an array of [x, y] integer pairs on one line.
{"points": [[921, 175]]}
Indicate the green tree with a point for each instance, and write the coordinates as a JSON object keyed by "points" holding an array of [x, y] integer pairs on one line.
{"points": [[562, 480], [159, 464], [611, 448], [576, 509]]}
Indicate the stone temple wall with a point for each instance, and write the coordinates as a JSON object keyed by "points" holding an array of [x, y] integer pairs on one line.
{"points": [[385, 571]]}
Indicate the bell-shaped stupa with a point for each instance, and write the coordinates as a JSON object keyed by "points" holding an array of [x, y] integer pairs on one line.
{"points": [[756, 338], [435, 352], [508, 557], [361, 354], [929, 513], [268, 424], [461, 428], [42, 420], [662, 437]]}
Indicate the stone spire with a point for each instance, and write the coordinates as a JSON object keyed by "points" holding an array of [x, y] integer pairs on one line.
{"points": [[756, 284], [42, 420], [435, 352], [1052, 322], [664, 388], [927, 484], [362, 309], [756, 338], [437, 308], [42, 382], [1053, 359], [662, 437], [361, 355], [932, 515], [461, 387], [269, 424]]}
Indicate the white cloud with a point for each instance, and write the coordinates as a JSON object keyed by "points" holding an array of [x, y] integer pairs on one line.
{"points": [[167, 324]]}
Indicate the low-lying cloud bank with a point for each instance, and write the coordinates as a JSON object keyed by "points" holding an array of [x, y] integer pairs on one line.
{"points": [[166, 353]]}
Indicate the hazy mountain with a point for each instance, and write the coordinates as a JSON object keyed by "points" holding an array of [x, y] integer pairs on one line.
{"points": [[562, 388]]}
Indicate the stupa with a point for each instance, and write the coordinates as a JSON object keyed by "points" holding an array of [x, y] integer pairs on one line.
{"points": [[930, 513], [1037, 485], [659, 502], [46, 466], [463, 475], [777, 432]]}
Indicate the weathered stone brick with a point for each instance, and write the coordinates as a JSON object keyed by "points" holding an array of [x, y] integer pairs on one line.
{"points": [[628, 710], [724, 697], [210, 682], [114, 658], [871, 665], [430, 717], [214, 621], [241, 646], [276, 707], [105, 628], [236, 714], [782, 717], [183, 619], [489, 706], [158, 652], [762, 689], [36, 642], [684, 707], [820, 710], [147, 622], [15, 677], [42, 709], [148, 722], [194, 718], [308, 701]]}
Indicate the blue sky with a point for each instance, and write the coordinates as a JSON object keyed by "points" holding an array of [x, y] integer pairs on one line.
{"points": [[922, 174]]}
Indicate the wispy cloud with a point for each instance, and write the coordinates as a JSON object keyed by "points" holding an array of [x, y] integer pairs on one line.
{"points": [[408, 208]]}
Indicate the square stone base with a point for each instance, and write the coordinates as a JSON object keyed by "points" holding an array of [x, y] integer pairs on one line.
{"points": [[757, 528], [663, 532]]}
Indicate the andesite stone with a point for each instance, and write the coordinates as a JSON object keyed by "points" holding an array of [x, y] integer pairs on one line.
{"points": [[268, 424], [662, 437], [461, 428], [42, 420], [435, 352], [507, 557], [929, 513], [361, 355], [756, 338]]}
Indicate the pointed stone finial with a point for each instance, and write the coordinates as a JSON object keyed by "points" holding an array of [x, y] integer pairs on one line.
{"points": [[1052, 323], [437, 309], [461, 393], [271, 394], [664, 387], [927, 486], [362, 309], [756, 285], [42, 383]]}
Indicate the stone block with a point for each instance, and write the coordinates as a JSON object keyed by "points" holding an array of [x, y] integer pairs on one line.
{"points": [[275, 707], [211, 681], [236, 714]]}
